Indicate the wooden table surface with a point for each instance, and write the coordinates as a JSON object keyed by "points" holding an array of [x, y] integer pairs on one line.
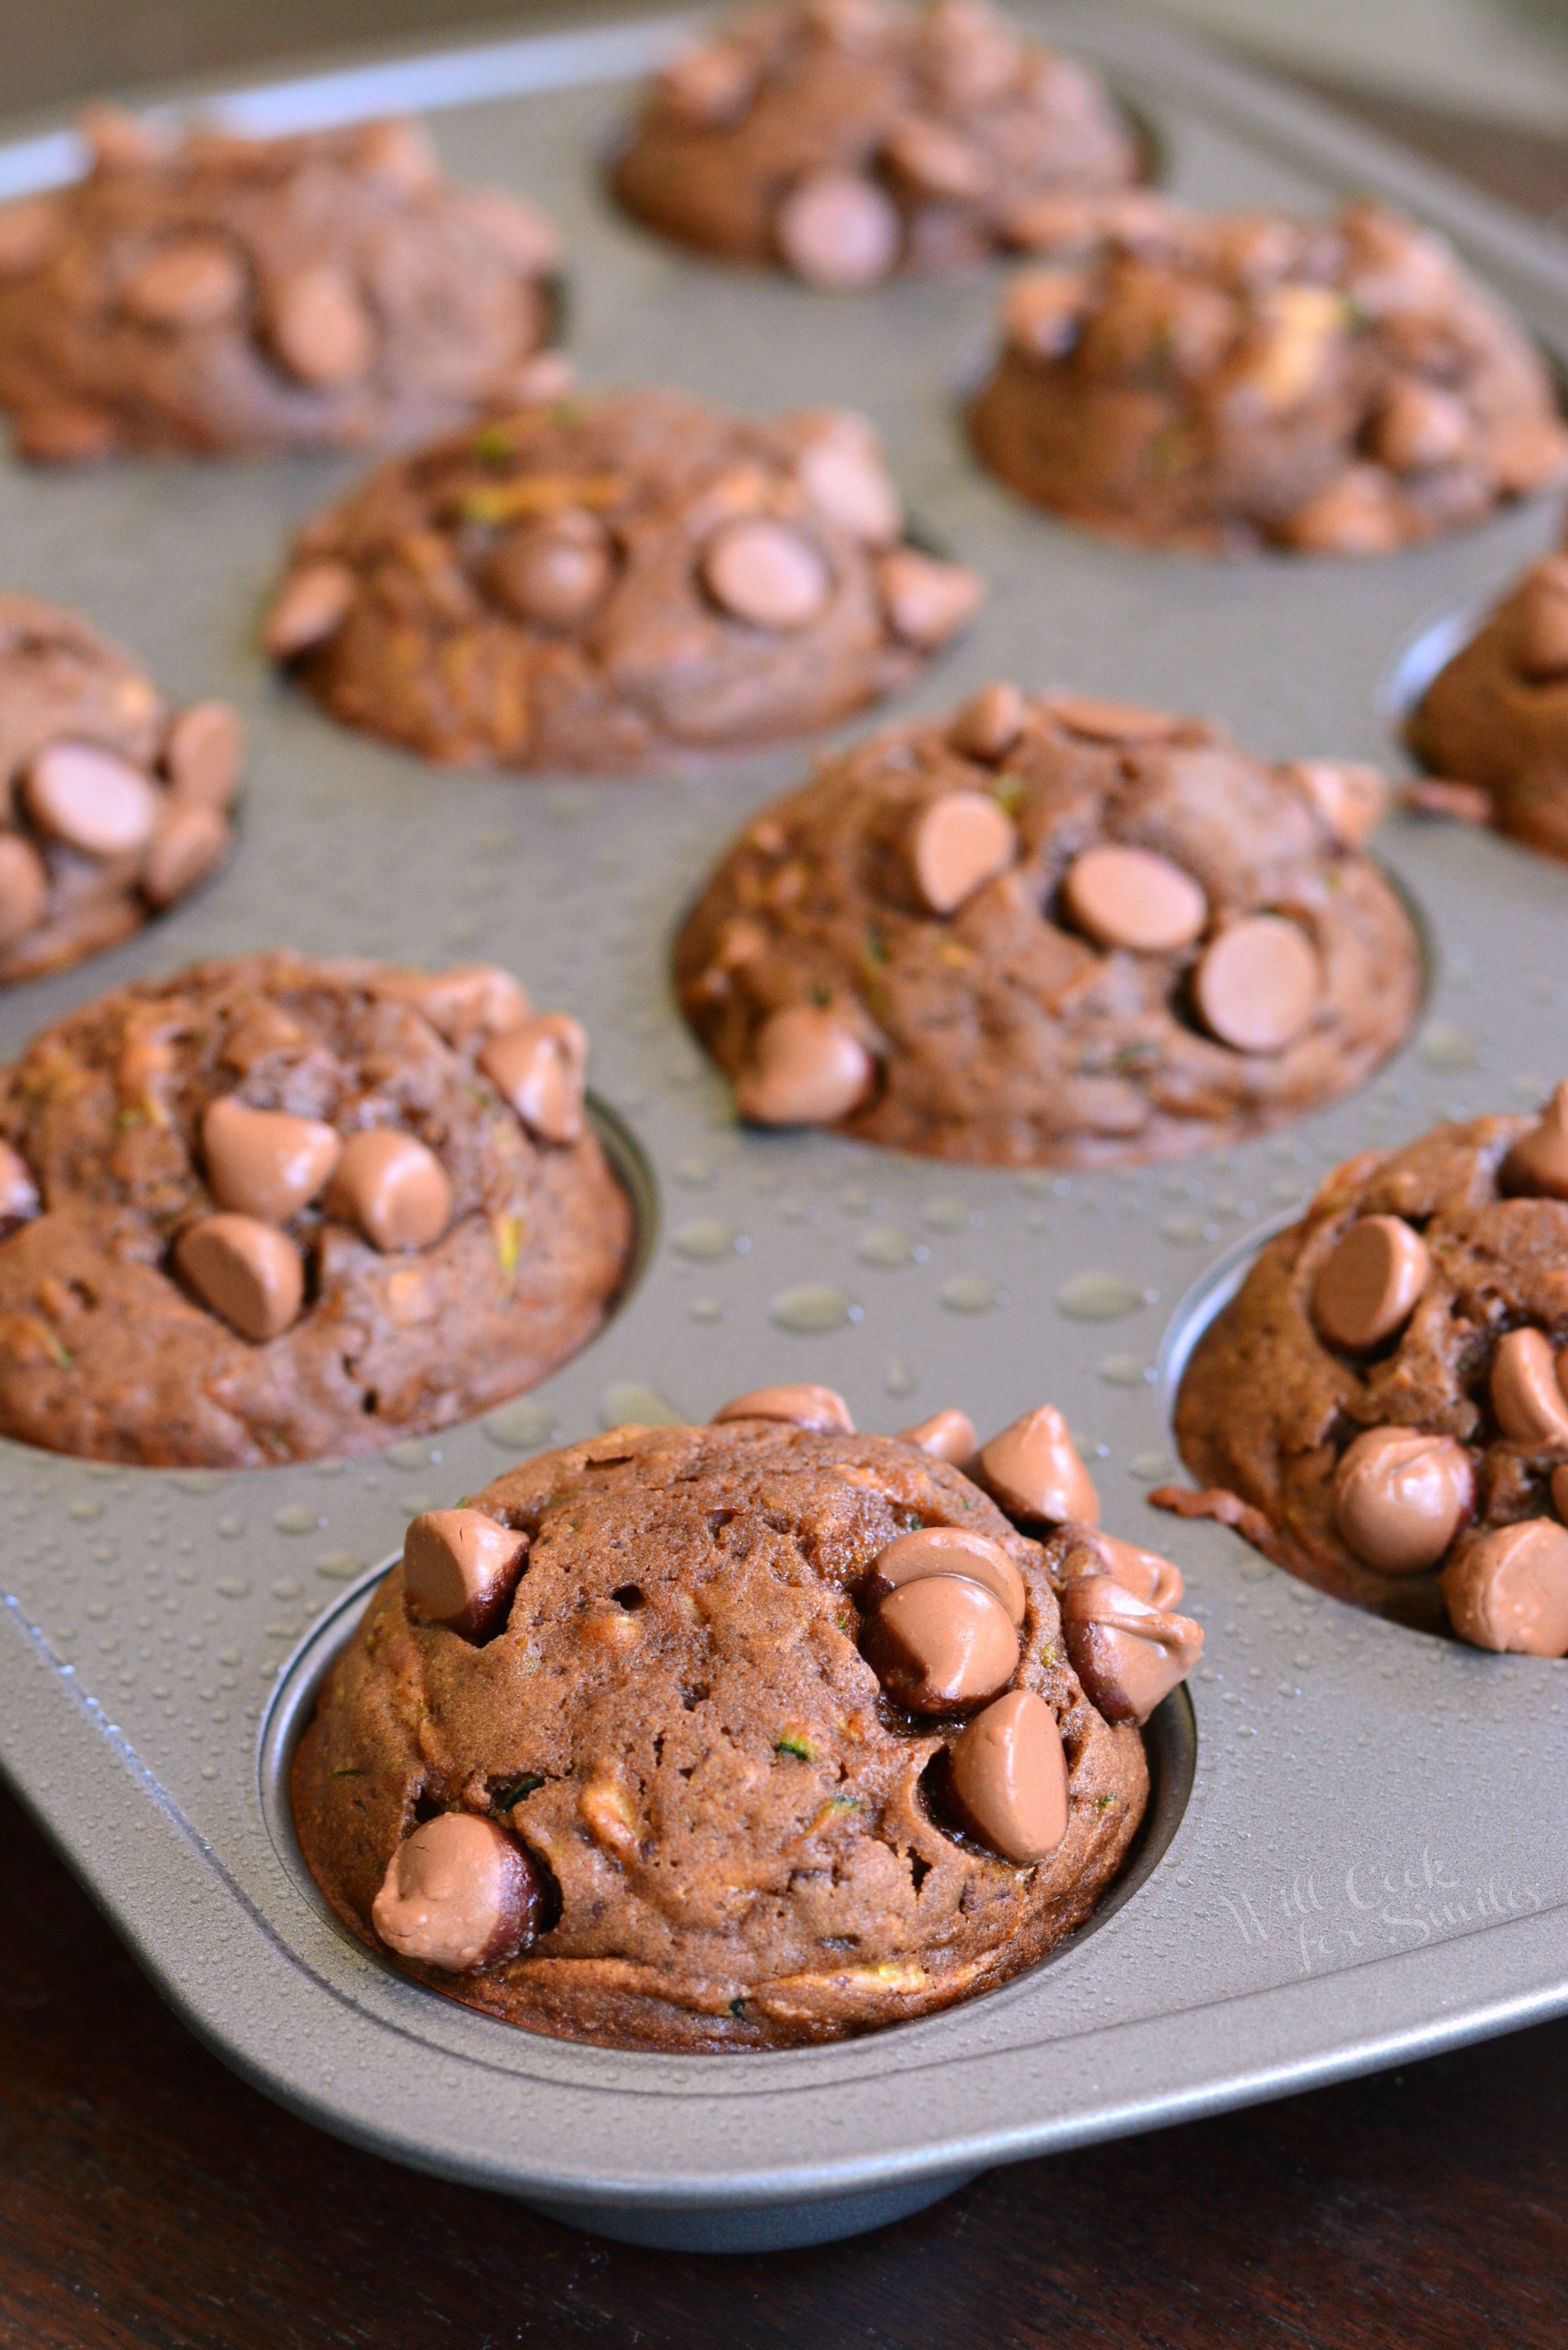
{"points": [[148, 2197]]}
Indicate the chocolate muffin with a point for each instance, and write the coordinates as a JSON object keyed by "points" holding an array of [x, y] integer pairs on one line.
{"points": [[598, 584], [845, 140], [115, 801], [214, 293], [1493, 723], [1382, 1408], [1058, 931], [271, 1209], [1226, 381], [742, 1736]]}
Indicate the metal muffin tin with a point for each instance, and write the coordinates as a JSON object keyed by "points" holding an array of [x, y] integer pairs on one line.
{"points": [[1355, 1854]]}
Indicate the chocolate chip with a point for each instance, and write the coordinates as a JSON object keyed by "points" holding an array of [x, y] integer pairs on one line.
{"points": [[1008, 1778], [391, 1187], [539, 1068], [265, 1163], [250, 1274], [1368, 1285], [839, 231], [1527, 1394], [202, 754], [311, 606], [804, 1069], [1112, 722], [1032, 1470], [709, 84], [522, 233], [193, 283], [1356, 514], [1258, 984], [1508, 1590], [320, 329], [1128, 1655], [24, 888], [1142, 1572], [1131, 898], [475, 999], [30, 231], [846, 482], [187, 845], [958, 843], [990, 723], [1347, 799], [554, 571], [1420, 425], [940, 1643], [90, 798], [459, 1894], [805, 1406], [932, 161], [18, 1193], [1400, 1496], [761, 571], [1042, 311], [398, 154], [946, 1436], [1537, 1166], [1541, 622], [461, 1568], [63, 432], [949, 1550], [926, 601]]}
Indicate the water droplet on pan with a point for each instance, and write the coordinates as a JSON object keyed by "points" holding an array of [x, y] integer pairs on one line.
{"points": [[811, 1309], [1101, 1298]]}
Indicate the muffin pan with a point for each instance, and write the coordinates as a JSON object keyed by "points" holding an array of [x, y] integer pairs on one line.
{"points": [[1356, 1855]]}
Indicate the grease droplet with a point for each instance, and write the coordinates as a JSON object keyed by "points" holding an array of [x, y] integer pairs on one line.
{"points": [[969, 1292], [519, 1427], [704, 1240]]}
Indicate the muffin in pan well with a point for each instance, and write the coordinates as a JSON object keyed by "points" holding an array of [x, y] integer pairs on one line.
{"points": [[276, 1209], [1493, 725], [117, 803], [213, 294], [607, 583], [1231, 381], [1382, 1407], [1053, 931], [742, 1736], [845, 140]]}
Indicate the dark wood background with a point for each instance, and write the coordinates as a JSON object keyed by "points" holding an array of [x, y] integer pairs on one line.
{"points": [[149, 2197]]}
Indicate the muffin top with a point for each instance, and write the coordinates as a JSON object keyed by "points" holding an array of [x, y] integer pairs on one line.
{"points": [[1382, 1407], [272, 1209], [1053, 931], [596, 583], [1495, 718], [1235, 380], [213, 292], [116, 802], [736, 1736], [845, 140]]}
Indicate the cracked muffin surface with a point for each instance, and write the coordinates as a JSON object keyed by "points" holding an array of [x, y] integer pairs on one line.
{"points": [[846, 140], [216, 294], [601, 583], [1383, 1398], [1226, 381], [729, 1818], [1052, 930], [273, 1208]]}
